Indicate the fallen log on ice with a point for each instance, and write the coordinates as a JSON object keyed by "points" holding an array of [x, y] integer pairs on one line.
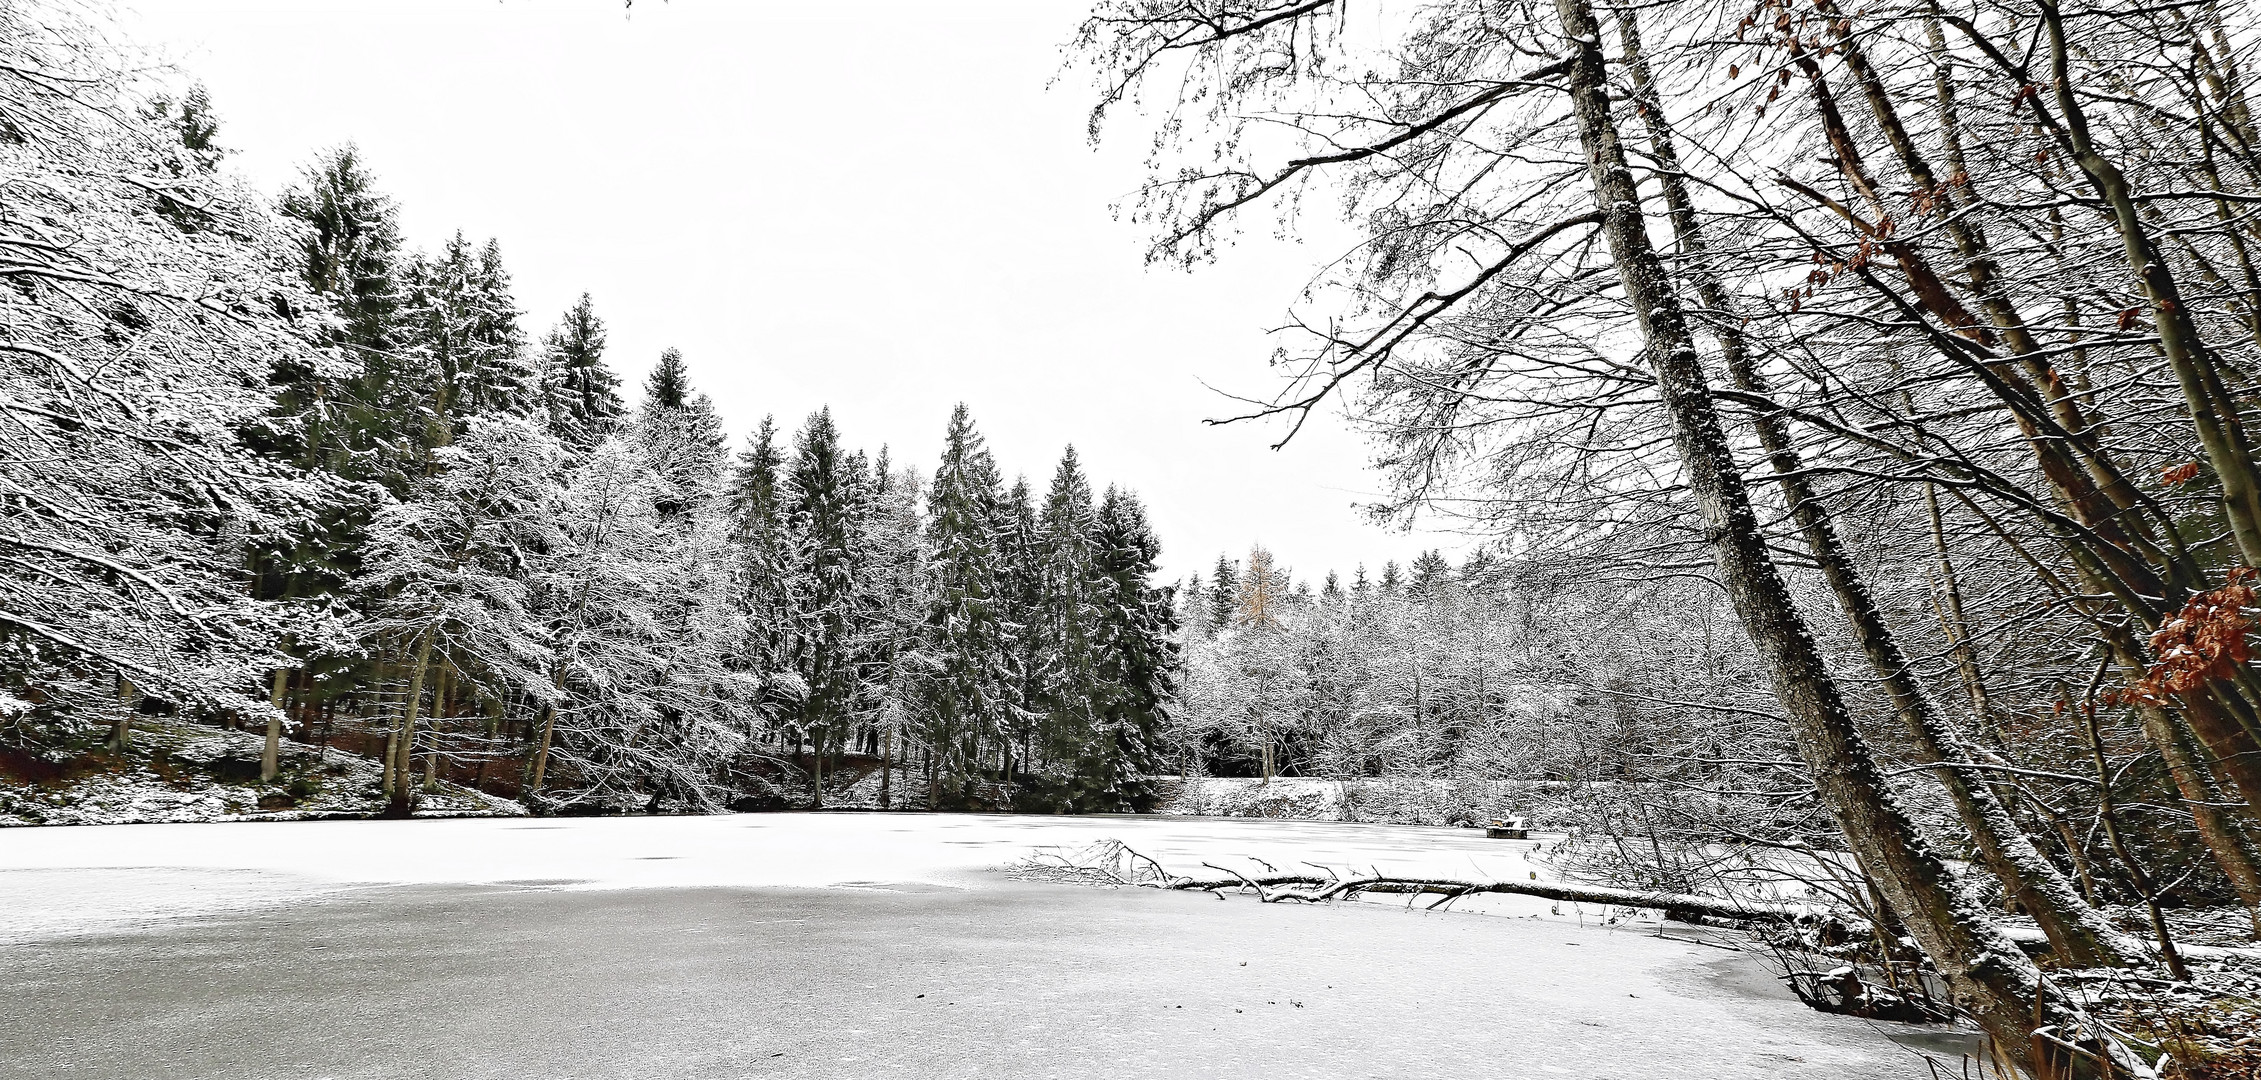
{"points": [[1274, 888], [1110, 862]]}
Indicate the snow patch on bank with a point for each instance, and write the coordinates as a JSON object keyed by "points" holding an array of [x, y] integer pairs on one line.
{"points": [[201, 774], [1391, 801]]}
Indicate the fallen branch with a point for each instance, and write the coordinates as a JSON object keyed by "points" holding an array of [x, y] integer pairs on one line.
{"points": [[1315, 889], [1110, 862]]}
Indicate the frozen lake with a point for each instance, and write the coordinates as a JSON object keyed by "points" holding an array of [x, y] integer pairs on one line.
{"points": [[834, 945]]}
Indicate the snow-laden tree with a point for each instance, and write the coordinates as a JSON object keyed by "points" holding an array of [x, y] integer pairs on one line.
{"points": [[148, 299], [963, 658], [461, 341], [683, 438], [892, 610], [1135, 639], [579, 394], [1062, 631], [640, 708], [823, 501], [444, 579]]}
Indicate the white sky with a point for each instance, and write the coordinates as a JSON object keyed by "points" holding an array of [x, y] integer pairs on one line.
{"points": [[877, 206]]}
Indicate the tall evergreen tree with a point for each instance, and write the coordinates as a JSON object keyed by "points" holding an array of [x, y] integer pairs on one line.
{"points": [[764, 597], [1224, 593], [1066, 613], [580, 395], [893, 606], [1020, 589], [669, 384], [350, 247], [822, 496], [682, 433], [966, 636], [460, 330], [1135, 640]]}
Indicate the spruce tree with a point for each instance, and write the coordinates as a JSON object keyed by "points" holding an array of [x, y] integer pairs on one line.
{"points": [[669, 384], [965, 629], [764, 597], [822, 493], [461, 341], [1224, 594], [580, 395], [1135, 639], [682, 435], [1020, 587], [351, 249], [1067, 662]]}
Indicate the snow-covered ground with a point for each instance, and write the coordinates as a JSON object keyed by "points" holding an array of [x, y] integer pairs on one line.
{"points": [[62, 879], [194, 773], [829, 925]]}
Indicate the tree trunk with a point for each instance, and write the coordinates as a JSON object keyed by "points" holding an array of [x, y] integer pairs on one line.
{"points": [[2074, 929], [443, 709], [542, 749], [403, 801], [268, 763], [1995, 981], [886, 767], [816, 786], [121, 728]]}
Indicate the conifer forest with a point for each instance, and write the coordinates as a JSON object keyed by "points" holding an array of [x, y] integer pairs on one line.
{"points": [[1826, 430]]}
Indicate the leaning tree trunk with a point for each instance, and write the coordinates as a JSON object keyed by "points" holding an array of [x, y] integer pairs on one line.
{"points": [[2000, 987], [2074, 929]]}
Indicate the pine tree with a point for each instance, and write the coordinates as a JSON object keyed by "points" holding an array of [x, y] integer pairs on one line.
{"points": [[351, 247], [1135, 638], [893, 603], [1020, 590], [1431, 573], [1065, 647], [460, 329], [669, 384], [966, 637], [1224, 593], [822, 495], [763, 595], [580, 395], [682, 434]]}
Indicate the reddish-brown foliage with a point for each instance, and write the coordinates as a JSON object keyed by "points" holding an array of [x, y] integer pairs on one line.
{"points": [[2205, 640]]}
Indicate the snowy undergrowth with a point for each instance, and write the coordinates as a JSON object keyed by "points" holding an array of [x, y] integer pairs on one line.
{"points": [[1389, 800], [190, 773]]}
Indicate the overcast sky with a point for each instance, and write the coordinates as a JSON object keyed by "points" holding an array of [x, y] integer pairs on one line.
{"points": [[877, 206]]}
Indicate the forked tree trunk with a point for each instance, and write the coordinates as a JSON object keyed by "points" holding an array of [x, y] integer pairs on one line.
{"points": [[2000, 987]]}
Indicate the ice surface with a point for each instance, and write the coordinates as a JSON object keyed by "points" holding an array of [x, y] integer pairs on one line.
{"points": [[833, 945], [164, 869]]}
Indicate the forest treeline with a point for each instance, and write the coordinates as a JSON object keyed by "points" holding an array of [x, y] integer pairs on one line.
{"points": [[267, 466], [1920, 336]]}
